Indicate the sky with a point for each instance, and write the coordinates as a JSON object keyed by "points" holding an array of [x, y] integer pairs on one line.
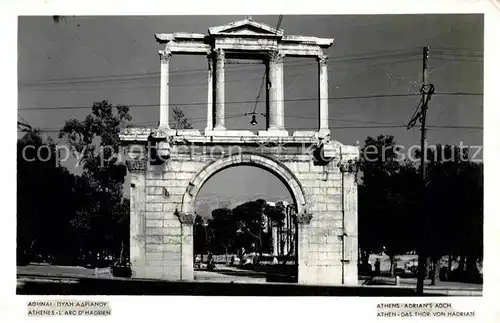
{"points": [[69, 65]]}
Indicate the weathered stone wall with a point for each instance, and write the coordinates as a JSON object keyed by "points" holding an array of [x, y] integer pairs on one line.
{"points": [[162, 205], [168, 240]]}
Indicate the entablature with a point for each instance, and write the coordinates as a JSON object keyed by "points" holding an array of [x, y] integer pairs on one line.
{"points": [[243, 35]]}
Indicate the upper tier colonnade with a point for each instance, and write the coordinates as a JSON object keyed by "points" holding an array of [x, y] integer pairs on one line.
{"points": [[249, 40]]}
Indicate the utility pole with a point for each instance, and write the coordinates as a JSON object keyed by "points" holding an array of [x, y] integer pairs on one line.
{"points": [[427, 91], [422, 255]]}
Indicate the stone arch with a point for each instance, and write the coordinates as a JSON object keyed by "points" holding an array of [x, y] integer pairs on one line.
{"points": [[270, 164]]}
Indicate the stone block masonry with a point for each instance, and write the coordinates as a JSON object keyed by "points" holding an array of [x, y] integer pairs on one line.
{"points": [[163, 191], [163, 204]]}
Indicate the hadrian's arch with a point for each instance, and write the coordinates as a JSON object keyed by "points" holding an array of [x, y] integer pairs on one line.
{"points": [[168, 167]]}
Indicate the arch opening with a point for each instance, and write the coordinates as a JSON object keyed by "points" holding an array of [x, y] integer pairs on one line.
{"points": [[245, 159], [246, 231]]}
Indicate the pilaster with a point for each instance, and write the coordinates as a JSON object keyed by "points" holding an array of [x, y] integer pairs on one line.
{"points": [[303, 221], [349, 237], [137, 165], [187, 222]]}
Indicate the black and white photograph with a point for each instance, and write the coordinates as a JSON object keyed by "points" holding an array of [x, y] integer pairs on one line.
{"points": [[251, 155]]}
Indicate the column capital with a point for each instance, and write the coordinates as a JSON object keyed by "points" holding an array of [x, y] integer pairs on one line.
{"points": [[186, 218], [219, 53], [322, 59], [137, 165], [304, 218], [348, 166], [165, 56], [275, 56]]}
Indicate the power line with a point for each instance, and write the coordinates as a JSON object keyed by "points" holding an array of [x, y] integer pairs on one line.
{"points": [[459, 52], [22, 119], [231, 102], [457, 60], [132, 84], [203, 119], [200, 119], [352, 58], [152, 75], [264, 75], [380, 124], [285, 100], [441, 48], [49, 130], [459, 93]]}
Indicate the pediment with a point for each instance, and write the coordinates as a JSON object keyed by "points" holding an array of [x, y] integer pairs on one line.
{"points": [[245, 27]]}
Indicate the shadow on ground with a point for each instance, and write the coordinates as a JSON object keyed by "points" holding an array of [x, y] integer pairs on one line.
{"points": [[100, 286], [229, 272]]}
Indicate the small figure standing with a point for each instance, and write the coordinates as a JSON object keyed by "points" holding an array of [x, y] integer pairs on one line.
{"points": [[377, 267], [210, 262]]}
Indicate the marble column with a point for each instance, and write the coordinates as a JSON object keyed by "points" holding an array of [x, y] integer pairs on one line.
{"points": [[324, 129], [219, 90], [274, 234], [276, 113], [210, 94], [164, 89]]}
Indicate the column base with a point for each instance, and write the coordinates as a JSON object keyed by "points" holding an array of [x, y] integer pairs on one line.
{"points": [[273, 133], [229, 133], [323, 133], [219, 128], [166, 130], [307, 134], [188, 132]]}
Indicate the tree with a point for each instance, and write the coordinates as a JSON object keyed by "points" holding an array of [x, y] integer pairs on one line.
{"points": [[222, 230], [45, 200], [58, 19], [62, 216], [275, 213], [386, 200], [200, 239], [95, 141], [180, 120], [244, 226], [251, 224], [454, 196]]}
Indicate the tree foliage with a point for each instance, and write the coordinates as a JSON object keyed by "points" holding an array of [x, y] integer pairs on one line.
{"points": [[179, 120], [95, 141], [245, 226], [45, 199], [63, 216], [398, 213], [454, 198], [387, 199]]}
